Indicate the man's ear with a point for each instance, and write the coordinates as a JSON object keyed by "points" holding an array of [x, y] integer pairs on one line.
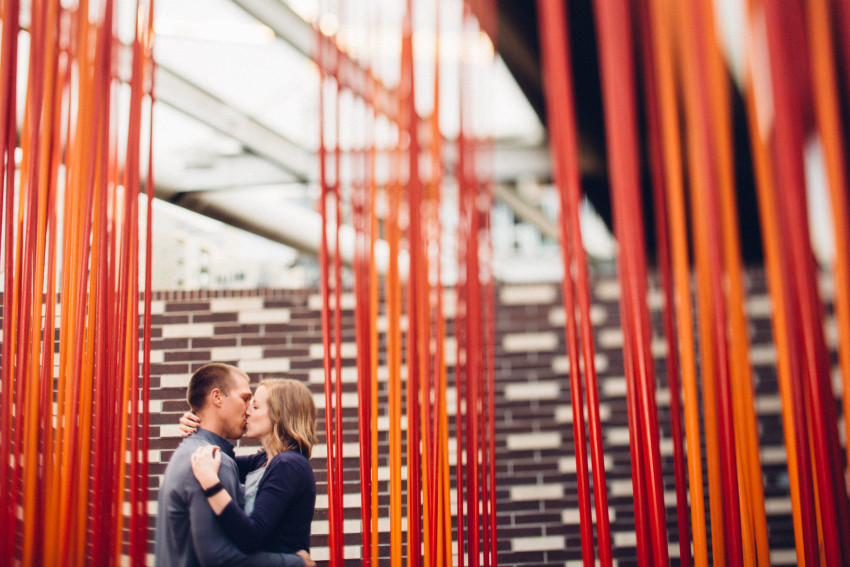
{"points": [[216, 397]]}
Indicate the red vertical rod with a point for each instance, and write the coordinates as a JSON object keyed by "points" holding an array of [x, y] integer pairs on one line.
{"points": [[326, 325], [618, 92], [556, 69], [491, 398], [461, 335], [141, 534], [339, 461], [364, 359], [470, 220], [661, 223], [565, 150], [789, 137]]}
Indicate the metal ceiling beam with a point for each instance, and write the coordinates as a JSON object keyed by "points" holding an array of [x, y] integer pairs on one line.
{"points": [[525, 210], [190, 99]]}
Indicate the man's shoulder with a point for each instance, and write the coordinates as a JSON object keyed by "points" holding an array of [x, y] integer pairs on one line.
{"points": [[181, 458]]}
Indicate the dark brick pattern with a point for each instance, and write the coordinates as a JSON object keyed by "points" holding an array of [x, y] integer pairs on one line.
{"points": [[275, 332]]}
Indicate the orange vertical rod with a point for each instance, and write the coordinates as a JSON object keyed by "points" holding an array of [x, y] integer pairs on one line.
{"points": [[776, 287], [753, 520], [707, 237], [394, 364], [416, 282], [661, 224], [8, 134], [662, 28], [698, 166]]}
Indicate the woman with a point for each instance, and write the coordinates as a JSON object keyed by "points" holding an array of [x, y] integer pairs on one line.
{"points": [[280, 488]]}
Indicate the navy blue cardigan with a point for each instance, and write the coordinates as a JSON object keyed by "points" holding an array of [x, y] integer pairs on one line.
{"points": [[283, 509]]}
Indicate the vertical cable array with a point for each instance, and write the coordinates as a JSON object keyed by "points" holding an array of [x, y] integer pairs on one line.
{"points": [[394, 200], [792, 86], [575, 286], [73, 433]]}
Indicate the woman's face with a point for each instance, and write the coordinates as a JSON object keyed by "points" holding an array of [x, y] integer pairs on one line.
{"points": [[259, 422]]}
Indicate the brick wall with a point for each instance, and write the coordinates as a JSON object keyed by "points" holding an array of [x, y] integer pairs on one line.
{"points": [[278, 333]]}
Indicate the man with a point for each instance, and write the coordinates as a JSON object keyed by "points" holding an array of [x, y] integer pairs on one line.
{"points": [[187, 530]]}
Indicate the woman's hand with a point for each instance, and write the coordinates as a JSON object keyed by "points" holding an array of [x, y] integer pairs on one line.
{"points": [[189, 424], [206, 461]]}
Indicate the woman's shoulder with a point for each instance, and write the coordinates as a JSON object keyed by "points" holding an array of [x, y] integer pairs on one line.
{"points": [[290, 461], [290, 457]]}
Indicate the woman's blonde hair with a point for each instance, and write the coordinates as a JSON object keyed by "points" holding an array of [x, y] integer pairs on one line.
{"points": [[293, 415]]}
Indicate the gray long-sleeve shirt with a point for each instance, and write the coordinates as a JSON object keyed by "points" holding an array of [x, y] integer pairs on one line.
{"points": [[188, 534]]}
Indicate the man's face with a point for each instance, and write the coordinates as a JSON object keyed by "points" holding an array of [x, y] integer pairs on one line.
{"points": [[234, 406]]}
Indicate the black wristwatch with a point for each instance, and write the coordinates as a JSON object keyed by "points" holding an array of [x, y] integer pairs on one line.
{"points": [[213, 490]]}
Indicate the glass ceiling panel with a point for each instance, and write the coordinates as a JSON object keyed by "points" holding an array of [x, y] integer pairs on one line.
{"points": [[217, 46]]}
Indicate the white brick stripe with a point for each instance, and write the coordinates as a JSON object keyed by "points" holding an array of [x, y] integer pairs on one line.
{"points": [[774, 455], [174, 380], [349, 400], [568, 464], [532, 391], [759, 306], [608, 290], [561, 364], [320, 450], [236, 353], [348, 350], [564, 414], [324, 554], [264, 316], [157, 307], [265, 365], [528, 295], [529, 441], [188, 331], [614, 387], [530, 342], [783, 557], [777, 505], [233, 304], [322, 527], [763, 355], [533, 492], [170, 430], [558, 316], [541, 543], [347, 300], [317, 375], [610, 338], [625, 539], [573, 515], [617, 435], [349, 500]]}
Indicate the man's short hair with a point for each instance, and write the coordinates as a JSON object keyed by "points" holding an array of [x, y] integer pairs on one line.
{"points": [[206, 379]]}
